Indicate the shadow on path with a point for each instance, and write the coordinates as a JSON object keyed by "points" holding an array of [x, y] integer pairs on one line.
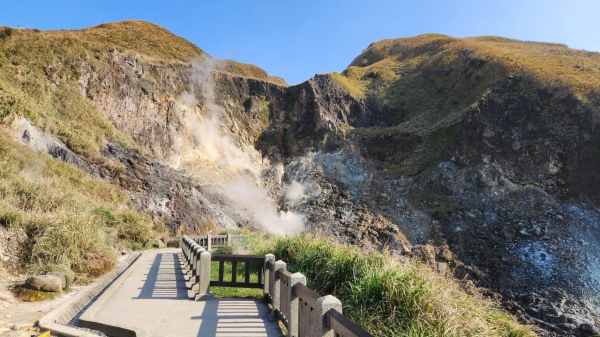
{"points": [[237, 318], [165, 279]]}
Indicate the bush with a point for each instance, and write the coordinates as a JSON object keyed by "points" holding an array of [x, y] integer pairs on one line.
{"points": [[6, 33], [134, 227], [75, 241], [108, 215]]}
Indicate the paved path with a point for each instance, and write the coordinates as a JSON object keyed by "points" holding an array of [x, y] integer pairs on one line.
{"points": [[153, 299]]}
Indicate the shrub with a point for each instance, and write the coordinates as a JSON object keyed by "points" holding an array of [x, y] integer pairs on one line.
{"points": [[77, 241], [134, 246], [108, 215], [134, 227]]}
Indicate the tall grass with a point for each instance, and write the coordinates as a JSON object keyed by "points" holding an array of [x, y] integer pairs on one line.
{"points": [[388, 297], [70, 218]]}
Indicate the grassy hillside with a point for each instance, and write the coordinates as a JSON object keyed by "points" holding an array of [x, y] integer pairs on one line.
{"points": [[427, 82], [40, 71], [70, 218]]}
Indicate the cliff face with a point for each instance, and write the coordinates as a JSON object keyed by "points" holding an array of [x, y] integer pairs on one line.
{"points": [[464, 154]]}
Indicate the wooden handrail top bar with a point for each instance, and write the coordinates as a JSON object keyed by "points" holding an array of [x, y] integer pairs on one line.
{"points": [[306, 294], [283, 274], [343, 326], [236, 284], [238, 258]]}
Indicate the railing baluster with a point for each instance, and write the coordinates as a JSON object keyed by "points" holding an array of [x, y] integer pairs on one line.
{"points": [[233, 271], [221, 270], [247, 273]]}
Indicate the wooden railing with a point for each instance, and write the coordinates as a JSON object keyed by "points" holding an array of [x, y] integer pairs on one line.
{"points": [[302, 310], [209, 242], [248, 261]]}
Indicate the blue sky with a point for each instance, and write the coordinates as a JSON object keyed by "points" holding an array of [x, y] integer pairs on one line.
{"points": [[296, 39]]}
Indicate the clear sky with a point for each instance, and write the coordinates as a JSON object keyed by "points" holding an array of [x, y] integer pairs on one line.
{"points": [[296, 39]]}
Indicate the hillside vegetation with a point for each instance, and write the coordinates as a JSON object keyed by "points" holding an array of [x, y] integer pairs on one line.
{"points": [[427, 82], [383, 295], [70, 218]]}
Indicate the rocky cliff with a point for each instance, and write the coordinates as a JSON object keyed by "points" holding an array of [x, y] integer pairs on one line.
{"points": [[476, 156]]}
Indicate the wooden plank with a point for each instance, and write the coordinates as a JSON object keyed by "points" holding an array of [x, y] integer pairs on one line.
{"points": [[238, 258], [343, 326], [236, 284]]}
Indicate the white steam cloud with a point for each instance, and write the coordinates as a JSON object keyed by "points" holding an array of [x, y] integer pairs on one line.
{"points": [[295, 192], [215, 144], [263, 208]]}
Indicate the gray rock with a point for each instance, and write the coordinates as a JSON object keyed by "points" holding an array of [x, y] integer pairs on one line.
{"points": [[588, 329], [61, 276], [44, 283], [562, 319], [61, 271]]}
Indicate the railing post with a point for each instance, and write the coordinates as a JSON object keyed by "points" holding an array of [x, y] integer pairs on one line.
{"points": [[267, 274], [208, 243], [195, 278], [204, 278], [228, 239], [326, 303], [195, 259], [295, 278], [198, 264], [276, 293]]}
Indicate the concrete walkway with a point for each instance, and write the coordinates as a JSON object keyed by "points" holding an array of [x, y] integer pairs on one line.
{"points": [[153, 298]]}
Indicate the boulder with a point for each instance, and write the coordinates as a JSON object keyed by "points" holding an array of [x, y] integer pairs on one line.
{"points": [[155, 243], [49, 283], [63, 272], [61, 276]]}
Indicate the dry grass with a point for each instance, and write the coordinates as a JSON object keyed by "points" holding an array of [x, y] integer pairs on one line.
{"points": [[428, 82], [70, 218]]}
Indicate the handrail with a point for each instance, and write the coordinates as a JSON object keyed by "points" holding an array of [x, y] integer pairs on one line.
{"points": [[248, 260], [343, 326], [308, 295], [303, 311]]}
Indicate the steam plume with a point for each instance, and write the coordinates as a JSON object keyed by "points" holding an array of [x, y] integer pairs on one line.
{"points": [[214, 143]]}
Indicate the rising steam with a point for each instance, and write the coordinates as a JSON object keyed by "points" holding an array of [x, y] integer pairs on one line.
{"points": [[203, 119]]}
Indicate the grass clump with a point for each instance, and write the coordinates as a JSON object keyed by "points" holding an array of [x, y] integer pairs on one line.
{"points": [[134, 227], [387, 297], [70, 218]]}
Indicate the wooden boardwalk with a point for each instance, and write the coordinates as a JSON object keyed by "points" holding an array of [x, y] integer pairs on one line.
{"points": [[153, 298]]}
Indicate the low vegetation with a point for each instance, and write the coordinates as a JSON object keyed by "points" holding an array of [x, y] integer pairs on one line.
{"points": [[70, 218], [385, 296]]}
